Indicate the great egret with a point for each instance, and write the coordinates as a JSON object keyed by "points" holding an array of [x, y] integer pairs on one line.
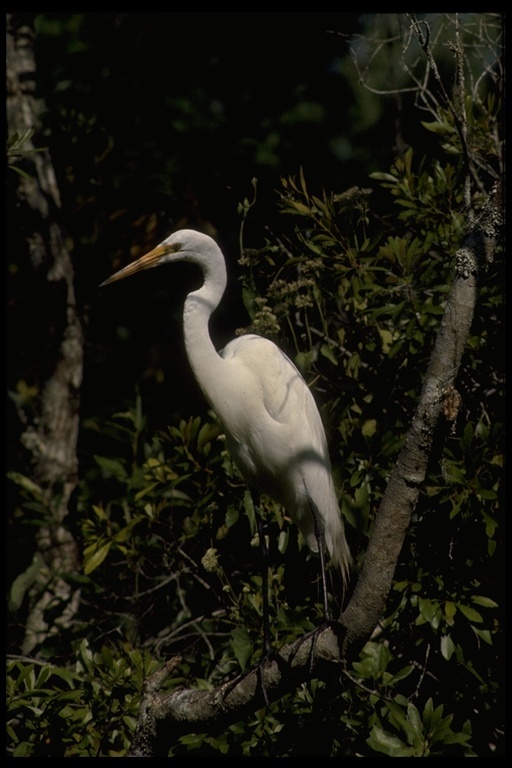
{"points": [[272, 425]]}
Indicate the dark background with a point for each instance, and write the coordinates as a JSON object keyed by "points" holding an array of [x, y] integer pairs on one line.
{"points": [[161, 120], [157, 121]]}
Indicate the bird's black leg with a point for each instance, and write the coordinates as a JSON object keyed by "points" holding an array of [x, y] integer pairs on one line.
{"points": [[268, 652], [321, 551], [267, 646]]}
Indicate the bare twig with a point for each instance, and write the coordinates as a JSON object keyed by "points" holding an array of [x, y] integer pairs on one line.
{"points": [[459, 120]]}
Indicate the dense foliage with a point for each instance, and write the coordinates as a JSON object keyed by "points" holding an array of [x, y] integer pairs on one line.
{"points": [[352, 284]]}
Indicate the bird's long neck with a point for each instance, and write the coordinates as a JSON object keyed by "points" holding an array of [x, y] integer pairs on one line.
{"points": [[206, 362]]}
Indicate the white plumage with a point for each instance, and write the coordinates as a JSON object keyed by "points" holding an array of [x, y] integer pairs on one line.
{"points": [[273, 428]]}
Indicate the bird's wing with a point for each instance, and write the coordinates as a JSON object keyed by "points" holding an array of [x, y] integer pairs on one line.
{"points": [[278, 440], [276, 390], [269, 367]]}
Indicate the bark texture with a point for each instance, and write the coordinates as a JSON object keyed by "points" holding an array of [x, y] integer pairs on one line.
{"points": [[53, 329]]}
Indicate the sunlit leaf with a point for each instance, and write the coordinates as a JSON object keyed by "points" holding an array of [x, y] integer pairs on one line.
{"points": [[96, 558]]}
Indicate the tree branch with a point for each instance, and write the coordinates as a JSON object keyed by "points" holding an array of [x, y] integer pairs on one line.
{"points": [[454, 108], [401, 495], [164, 717]]}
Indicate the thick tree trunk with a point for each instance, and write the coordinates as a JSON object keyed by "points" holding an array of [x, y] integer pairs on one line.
{"points": [[51, 330]]}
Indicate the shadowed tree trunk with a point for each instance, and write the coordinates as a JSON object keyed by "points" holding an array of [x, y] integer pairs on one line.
{"points": [[44, 320]]}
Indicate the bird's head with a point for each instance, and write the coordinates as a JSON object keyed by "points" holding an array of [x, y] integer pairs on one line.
{"points": [[184, 245]]}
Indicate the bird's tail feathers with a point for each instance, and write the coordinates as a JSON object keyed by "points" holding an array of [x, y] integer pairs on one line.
{"points": [[320, 519], [337, 546], [329, 523]]}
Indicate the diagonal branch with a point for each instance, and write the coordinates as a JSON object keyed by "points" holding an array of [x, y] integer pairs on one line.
{"points": [[437, 395]]}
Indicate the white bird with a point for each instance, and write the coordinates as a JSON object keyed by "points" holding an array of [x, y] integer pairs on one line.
{"points": [[272, 425]]}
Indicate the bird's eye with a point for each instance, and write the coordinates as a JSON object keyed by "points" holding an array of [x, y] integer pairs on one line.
{"points": [[176, 247]]}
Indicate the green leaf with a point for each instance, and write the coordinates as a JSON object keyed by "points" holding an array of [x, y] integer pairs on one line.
{"points": [[43, 676], [282, 542], [383, 741], [207, 433], [383, 177], [111, 467], [242, 646], [192, 739], [23, 582], [374, 660], [490, 525], [441, 128], [415, 719], [66, 712], [369, 427], [407, 203], [23, 174], [144, 491], [125, 532], [449, 611], [96, 558], [303, 360], [249, 511], [297, 207], [327, 352], [27, 676], [456, 738], [485, 602], [28, 485], [99, 512], [470, 613], [484, 493], [85, 656], [403, 673], [427, 609], [67, 675], [447, 647], [483, 634], [232, 516]]}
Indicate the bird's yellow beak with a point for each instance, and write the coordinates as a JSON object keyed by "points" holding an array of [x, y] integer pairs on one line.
{"points": [[151, 259]]}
